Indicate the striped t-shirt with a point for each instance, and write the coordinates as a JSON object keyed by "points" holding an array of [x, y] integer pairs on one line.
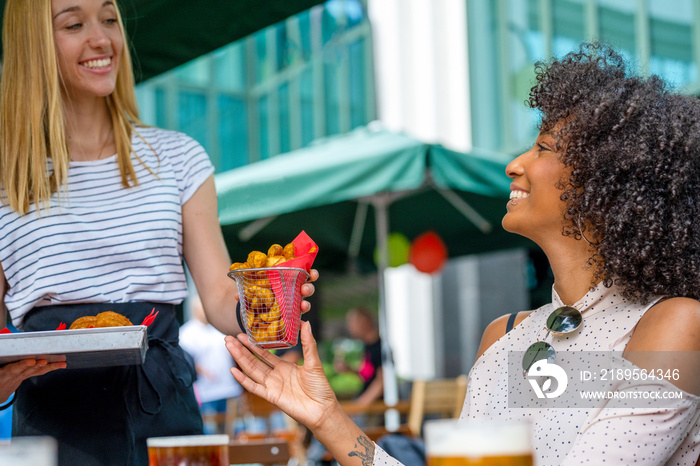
{"points": [[103, 243]]}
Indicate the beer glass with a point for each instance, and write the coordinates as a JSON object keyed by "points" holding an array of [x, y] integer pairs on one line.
{"points": [[188, 450], [449, 442]]}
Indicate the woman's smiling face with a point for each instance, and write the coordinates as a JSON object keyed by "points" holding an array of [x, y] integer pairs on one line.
{"points": [[89, 43], [535, 209]]}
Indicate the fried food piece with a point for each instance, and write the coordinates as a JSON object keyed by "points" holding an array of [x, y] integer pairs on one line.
{"points": [[289, 252], [274, 260], [238, 265], [112, 319], [275, 250], [103, 319], [84, 322], [257, 259]]}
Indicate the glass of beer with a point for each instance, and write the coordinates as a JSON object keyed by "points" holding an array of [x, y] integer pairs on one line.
{"points": [[188, 450], [449, 442]]}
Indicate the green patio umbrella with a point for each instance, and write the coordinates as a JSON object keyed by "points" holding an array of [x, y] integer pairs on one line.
{"points": [[335, 189], [168, 33], [332, 188]]}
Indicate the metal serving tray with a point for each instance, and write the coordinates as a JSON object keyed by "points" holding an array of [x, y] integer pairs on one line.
{"points": [[90, 347]]}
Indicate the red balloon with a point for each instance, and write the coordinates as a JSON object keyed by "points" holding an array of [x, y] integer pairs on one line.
{"points": [[428, 253]]}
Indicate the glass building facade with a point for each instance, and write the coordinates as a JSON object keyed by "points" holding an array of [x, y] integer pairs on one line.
{"points": [[507, 36], [305, 78], [312, 76]]}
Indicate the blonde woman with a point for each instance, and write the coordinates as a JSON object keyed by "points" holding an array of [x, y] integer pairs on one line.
{"points": [[98, 212]]}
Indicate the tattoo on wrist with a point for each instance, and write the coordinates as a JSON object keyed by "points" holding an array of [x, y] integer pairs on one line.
{"points": [[367, 456]]}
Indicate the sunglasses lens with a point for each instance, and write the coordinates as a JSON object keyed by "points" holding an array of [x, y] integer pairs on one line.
{"points": [[564, 320], [536, 352]]}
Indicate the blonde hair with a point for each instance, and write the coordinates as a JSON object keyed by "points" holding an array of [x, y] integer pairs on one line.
{"points": [[32, 127]]}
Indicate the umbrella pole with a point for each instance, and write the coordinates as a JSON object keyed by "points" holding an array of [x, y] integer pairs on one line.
{"points": [[391, 393]]}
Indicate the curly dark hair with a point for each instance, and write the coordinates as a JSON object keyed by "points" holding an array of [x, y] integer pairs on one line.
{"points": [[633, 147]]}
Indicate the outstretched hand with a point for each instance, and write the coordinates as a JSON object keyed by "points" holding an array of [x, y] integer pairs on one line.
{"points": [[303, 392], [13, 374]]}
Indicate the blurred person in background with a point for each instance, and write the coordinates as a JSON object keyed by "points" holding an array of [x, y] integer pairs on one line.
{"points": [[362, 325], [214, 384]]}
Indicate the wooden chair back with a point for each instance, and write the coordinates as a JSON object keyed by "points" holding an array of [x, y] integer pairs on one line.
{"points": [[265, 451], [283, 428], [443, 397]]}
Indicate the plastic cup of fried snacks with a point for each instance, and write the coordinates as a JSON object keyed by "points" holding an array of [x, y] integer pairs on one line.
{"points": [[270, 300]]}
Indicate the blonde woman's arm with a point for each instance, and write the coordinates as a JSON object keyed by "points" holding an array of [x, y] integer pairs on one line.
{"points": [[208, 260]]}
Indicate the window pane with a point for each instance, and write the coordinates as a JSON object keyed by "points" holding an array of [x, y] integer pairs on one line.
{"points": [[671, 36], [332, 99], [161, 109], [525, 45], [230, 68], [233, 132], [567, 18], [616, 21], [195, 73], [305, 31], [262, 71], [306, 101], [263, 136], [358, 88], [192, 111], [283, 107]]}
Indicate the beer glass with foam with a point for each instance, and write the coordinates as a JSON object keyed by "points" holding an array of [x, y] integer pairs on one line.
{"points": [[188, 450], [449, 442]]}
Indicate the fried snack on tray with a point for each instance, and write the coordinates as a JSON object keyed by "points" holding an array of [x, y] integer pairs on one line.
{"points": [[101, 320], [263, 314], [84, 322], [112, 319]]}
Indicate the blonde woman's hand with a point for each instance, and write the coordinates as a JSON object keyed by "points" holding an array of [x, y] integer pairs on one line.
{"points": [[308, 289], [303, 392]]}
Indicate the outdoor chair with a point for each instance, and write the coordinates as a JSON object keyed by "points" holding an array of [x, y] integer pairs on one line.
{"points": [[261, 451], [261, 420], [441, 397]]}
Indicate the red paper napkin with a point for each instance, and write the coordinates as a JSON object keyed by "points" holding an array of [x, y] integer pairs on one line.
{"points": [[305, 251]]}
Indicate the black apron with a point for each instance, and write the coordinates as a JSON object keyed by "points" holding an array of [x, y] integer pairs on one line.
{"points": [[103, 416]]}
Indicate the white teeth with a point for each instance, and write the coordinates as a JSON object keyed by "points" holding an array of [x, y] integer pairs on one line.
{"points": [[96, 64], [518, 194]]}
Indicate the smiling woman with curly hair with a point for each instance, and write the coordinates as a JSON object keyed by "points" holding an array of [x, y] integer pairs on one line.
{"points": [[610, 193], [634, 152]]}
